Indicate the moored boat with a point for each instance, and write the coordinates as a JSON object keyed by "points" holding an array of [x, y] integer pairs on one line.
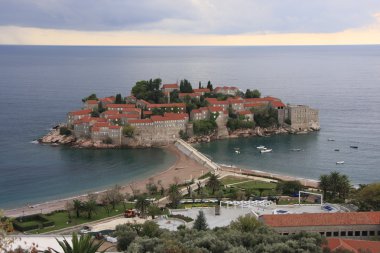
{"points": [[261, 147], [352, 146], [267, 150], [340, 162]]}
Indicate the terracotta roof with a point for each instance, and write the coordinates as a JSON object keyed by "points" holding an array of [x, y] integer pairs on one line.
{"points": [[81, 112], [129, 109], [188, 94], [201, 90], [225, 88], [235, 100], [110, 112], [114, 127], [170, 86], [277, 104], [176, 115], [130, 116], [89, 120], [92, 102], [148, 113], [356, 246], [321, 219], [214, 101], [166, 105], [107, 99], [120, 106], [140, 121], [253, 104], [196, 111], [215, 109]]}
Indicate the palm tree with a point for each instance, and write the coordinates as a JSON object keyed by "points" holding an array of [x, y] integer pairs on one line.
{"points": [[83, 244], [213, 183], [78, 205], [90, 207], [324, 184], [142, 205], [174, 195]]}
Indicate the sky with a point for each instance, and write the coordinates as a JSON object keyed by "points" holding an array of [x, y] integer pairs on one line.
{"points": [[189, 22]]}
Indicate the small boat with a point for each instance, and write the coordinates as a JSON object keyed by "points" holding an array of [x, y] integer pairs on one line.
{"points": [[237, 148], [261, 147], [340, 162], [237, 151], [267, 150], [354, 146], [337, 149], [295, 149], [331, 139]]}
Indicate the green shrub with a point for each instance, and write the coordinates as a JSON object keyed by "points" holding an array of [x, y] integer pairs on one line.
{"points": [[181, 217], [204, 127], [64, 131]]}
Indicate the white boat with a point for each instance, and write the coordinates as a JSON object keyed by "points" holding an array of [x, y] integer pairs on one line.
{"points": [[340, 162], [330, 139], [237, 151], [267, 150], [296, 149], [261, 147]]}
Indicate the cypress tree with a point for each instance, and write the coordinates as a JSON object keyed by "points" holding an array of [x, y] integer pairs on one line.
{"points": [[200, 223]]}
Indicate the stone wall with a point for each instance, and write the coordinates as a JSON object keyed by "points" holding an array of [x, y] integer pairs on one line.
{"points": [[303, 117]]}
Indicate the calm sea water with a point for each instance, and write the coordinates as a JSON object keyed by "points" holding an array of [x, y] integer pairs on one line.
{"points": [[39, 85]]}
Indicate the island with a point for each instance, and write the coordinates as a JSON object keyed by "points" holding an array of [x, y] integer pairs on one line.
{"points": [[155, 115]]}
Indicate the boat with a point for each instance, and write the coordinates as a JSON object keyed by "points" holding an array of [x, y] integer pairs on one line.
{"points": [[331, 139], [237, 151], [337, 149], [354, 146], [267, 150], [261, 147], [237, 148], [295, 149], [340, 162]]}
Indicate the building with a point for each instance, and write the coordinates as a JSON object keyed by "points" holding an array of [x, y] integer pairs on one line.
{"points": [[216, 103], [200, 114], [359, 225], [201, 91], [104, 131], [119, 107], [83, 126], [237, 104], [167, 88], [248, 115], [173, 107], [91, 104], [76, 115], [107, 100], [182, 96], [226, 90], [354, 246], [131, 99], [302, 117]]}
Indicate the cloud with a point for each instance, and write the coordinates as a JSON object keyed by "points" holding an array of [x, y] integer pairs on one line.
{"points": [[191, 16]]}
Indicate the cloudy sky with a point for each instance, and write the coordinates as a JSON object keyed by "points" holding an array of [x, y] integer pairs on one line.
{"points": [[189, 22]]}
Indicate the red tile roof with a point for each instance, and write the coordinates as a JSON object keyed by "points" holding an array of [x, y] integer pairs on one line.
{"points": [[170, 86], [131, 116], [179, 105], [196, 111], [277, 104], [148, 113], [201, 90], [253, 104], [92, 102], [129, 109], [121, 106], [225, 88], [215, 109], [356, 246], [214, 101], [192, 95], [322, 219], [107, 99], [89, 120], [81, 112], [110, 112], [246, 112], [114, 127], [140, 121]]}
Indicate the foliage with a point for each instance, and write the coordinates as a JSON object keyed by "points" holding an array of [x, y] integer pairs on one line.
{"points": [[119, 99], [95, 114], [128, 130], [204, 127], [83, 244], [64, 131], [213, 183], [149, 91], [234, 124], [142, 204], [150, 229], [124, 239], [209, 86], [154, 210], [266, 118], [288, 121], [185, 86], [91, 97], [334, 185], [246, 223], [183, 135], [252, 94], [114, 196], [368, 197], [208, 174], [90, 205], [200, 222], [181, 217], [289, 187], [174, 195]]}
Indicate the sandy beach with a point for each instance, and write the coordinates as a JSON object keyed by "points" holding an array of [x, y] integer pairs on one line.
{"points": [[183, 169]]}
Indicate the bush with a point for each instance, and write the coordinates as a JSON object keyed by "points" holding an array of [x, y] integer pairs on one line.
{"points": [[234, 124], [181, 217], [107, 140], [204, 127], [266, 118], [128, 130], [31, 222], [64, 131]]}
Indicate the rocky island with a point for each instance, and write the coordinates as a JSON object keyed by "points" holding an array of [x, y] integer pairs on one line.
{"points": [[157, 115]]}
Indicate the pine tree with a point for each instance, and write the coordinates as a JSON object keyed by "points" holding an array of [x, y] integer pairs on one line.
{"points": [[200, 223]]}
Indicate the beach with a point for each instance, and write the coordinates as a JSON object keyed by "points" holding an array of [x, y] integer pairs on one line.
{"points": [[183, 169]]}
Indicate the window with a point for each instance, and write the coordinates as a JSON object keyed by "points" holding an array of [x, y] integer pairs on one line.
{"points": [[364, 233], [371, 233], [342, 233], [350, 233], [322, 233], [328, 234], [357, 233], [336, 233]]}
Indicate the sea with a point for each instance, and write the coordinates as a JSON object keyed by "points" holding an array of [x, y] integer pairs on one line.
{"points": [[40, 84]]}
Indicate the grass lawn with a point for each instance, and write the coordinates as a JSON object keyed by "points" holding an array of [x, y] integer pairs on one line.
{"points": [[61, 218], [256, 185], [231, 180]]}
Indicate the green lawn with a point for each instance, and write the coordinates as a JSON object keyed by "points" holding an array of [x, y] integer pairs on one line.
{"points": [[256, 185], [61, 219], [231, 180]]}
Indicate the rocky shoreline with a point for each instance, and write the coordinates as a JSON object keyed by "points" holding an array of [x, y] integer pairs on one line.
{"points": [[55, 138]]}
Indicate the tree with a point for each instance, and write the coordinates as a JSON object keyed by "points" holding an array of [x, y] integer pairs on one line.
{"points": [[266, 118], [154, 210], [124, 239], [151, 187], [142, 204], [128, 130], [78, 206], [200, 85], [213, 183], [209, 86], [334, 186], [185, 86], [150, 229], [252, 94], [204, 127], [119, 99], [90, 205], [200, 222], [114, 196], [149, 90], [83, 244], [289, 187], [368, 197], [174, 195], [246, 223], [91, 97]]}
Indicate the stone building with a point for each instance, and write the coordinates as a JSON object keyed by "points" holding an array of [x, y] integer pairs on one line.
{"points": [[82, 127], [119, 107], [167, 88], [200, 114], [180, 107], [201, 91], [104, 131], [226, 90], [302, 117], [216, 103], [76, 115], [91, 104], [248, 115], [359, 225]]}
